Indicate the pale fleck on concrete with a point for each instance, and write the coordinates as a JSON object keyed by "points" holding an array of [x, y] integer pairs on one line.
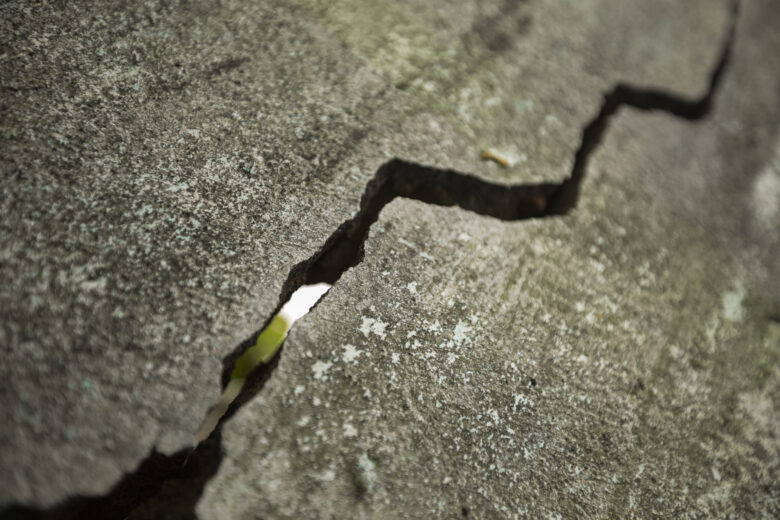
{"points": [[320, 369], [351, 353], [732, 303], [373, 326], [766, 195]]}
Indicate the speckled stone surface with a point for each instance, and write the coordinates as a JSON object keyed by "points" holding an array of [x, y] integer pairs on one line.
{"points": [[165, 165], [163, 169], [525, 77], [619, 362]]}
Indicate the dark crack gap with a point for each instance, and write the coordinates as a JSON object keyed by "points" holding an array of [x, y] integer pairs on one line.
{"points": [[185, 472], [165, 485]]}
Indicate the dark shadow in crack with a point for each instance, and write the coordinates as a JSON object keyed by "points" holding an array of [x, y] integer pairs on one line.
{"points": [[162, 487], [168, 487], [179, 477]]}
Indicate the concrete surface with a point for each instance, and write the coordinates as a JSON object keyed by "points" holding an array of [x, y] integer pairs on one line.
{"points": [[165, 165]]}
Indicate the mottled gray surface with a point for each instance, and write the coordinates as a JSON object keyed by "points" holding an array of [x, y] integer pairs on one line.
{"points": [[619, 362], [165, 165], [524, 77], [162, 170]]}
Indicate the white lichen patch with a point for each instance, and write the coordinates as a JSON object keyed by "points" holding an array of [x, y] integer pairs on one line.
{"points": [[320, 368], [461, 333], [434, 327], [367, 472], [350, 354], [373, 325]]}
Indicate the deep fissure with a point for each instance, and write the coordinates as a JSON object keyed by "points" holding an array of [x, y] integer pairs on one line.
{"points": [[344, 249]]}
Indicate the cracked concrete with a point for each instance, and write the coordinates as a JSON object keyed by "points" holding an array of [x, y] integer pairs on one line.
{"points": [[592, 361], [153, 210], [255, 199], [524, 77]]}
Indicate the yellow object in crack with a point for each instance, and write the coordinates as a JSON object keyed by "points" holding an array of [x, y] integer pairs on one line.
{"points": [[264, 349]]}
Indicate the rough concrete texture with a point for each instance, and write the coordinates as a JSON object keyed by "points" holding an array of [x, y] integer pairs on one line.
{"points": [[163, 169], [619, 362], [165, 165], [524, 77]]}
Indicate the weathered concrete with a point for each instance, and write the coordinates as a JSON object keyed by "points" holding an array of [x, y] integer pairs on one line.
{"points": [[165, 166], [525, 77], [619, 362], [163, 169]]}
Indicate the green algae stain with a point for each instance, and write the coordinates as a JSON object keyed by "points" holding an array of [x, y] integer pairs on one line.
{"points": [[392, 36], [452, 72], [264, 349]]}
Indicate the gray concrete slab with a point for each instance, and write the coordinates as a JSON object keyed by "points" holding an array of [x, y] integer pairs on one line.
{"points": [[618, 362], [523, 78], [165, 165]]}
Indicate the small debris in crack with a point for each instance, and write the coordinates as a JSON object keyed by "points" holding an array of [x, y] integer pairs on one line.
{"points": [[491, 155], [265, 347]]}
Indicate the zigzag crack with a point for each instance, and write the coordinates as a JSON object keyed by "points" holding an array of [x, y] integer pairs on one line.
{"points": [[189, 469], [399, 178]]}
